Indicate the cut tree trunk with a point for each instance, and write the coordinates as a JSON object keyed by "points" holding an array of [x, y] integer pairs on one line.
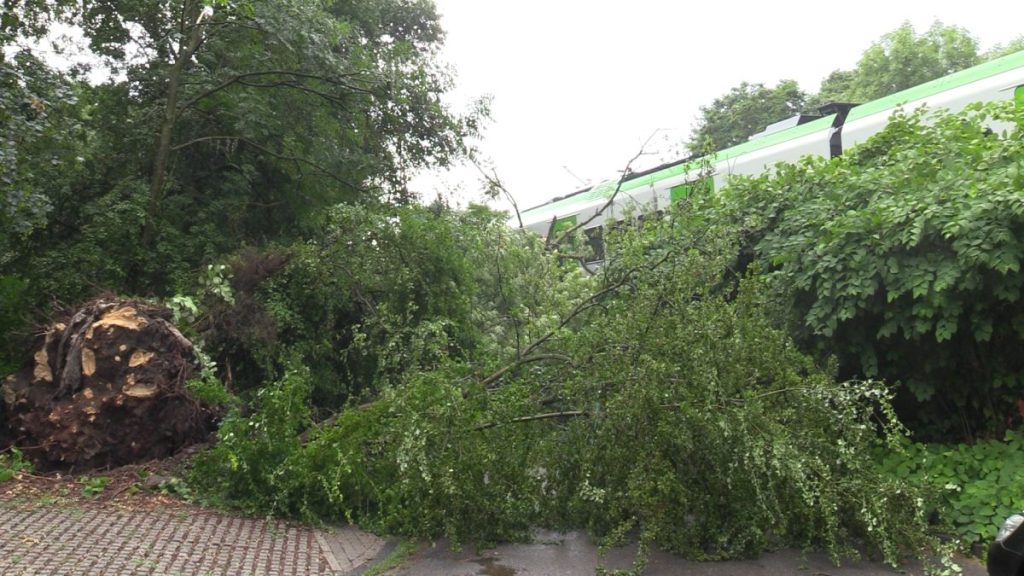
{"points": [[106, 388]]}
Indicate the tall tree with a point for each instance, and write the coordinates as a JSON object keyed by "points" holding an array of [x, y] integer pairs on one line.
{"points": [[902, 59], [231, 123], [898, 60], [744, 110], [1015, 45]]}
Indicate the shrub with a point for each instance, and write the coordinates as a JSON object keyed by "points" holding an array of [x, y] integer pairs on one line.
{"points": [[975, 487], [382, 291], [903, 258]]}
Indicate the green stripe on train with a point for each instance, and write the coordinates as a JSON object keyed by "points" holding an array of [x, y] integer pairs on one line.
{"points": [[562, 225], [682, 191]]}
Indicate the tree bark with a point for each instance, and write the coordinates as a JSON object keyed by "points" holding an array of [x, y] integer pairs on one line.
{"points": [[192, 37]]}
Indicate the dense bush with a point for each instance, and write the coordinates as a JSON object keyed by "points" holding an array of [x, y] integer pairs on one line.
{"points": [[649, 402], [381, 291], [14, 318], [904, 259], [976, 487]]}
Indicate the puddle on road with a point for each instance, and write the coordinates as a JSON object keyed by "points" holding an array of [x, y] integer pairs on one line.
{"points": [[490, 567]]}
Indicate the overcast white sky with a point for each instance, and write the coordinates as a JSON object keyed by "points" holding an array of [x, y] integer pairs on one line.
{"points": [[582, 84]]}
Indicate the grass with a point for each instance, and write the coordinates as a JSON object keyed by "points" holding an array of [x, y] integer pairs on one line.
{"points": [[400, 554]]}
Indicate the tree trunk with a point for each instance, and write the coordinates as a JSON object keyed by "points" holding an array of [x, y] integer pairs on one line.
{"points": [[186, 49]]}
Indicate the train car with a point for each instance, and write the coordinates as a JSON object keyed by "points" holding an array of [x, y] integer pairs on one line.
{"points": [[838, 126]]}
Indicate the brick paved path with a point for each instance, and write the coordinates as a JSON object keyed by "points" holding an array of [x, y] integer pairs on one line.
{"points": [[56, 541]]}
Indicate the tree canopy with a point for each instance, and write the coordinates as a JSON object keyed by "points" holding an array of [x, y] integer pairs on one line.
{"points": [[221, 125], [745, 110], [901, 59]]}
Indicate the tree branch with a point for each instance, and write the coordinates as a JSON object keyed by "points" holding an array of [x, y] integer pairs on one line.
{"points": [[278, 155], [496, 183], [611, 199], [294, 82], [588, 303], [187, 47], [523, 360], [298, 86], [548, 416]]}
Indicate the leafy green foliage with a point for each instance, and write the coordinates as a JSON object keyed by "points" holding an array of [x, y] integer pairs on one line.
{"points": [[904, 258], [381, 291], [646, 401], [974, 487], [41, 146], [224, 130], [745, 110], [206, 386], [93, 486], [250, 453], [902, 59], [13, 461]]}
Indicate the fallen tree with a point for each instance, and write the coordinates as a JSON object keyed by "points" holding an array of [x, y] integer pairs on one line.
{"points": [[657, 398], [106, 387]]}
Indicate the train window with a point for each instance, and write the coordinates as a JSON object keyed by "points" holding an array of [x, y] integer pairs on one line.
{"points": [[677, 193], [562, 225], [595, 244], [1018, 96]]}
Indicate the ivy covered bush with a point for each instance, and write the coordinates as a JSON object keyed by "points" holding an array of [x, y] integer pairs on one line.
{"points": [[903, 257]]}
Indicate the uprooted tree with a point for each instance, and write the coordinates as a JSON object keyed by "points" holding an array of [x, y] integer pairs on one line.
{"points": [[106, 387]]}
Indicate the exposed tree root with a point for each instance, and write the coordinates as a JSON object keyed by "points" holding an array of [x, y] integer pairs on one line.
{"points": [[106, 388]]}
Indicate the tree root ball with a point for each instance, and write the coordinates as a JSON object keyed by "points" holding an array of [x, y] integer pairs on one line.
{"points": [[106, 388]]}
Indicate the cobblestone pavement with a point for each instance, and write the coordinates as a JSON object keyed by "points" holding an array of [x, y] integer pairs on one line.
{"points": [[68, 541]]}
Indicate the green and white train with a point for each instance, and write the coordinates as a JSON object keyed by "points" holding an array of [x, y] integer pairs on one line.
{"points": [[837, 127]]}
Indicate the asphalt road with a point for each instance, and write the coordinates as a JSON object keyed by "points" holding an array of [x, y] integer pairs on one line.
{"points": [[571, 554]]}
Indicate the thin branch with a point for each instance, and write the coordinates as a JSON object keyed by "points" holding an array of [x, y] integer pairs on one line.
{"points": [[548, 416], [278, 155], [203, 139], [505, 301], [590, 302], [593, 300], [240, 24], [495, 182], [241, 79], [298, 86], [611, 199], [524, 359], [579, 413]]}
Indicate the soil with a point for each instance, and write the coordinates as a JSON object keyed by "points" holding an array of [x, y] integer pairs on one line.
{"points": [[148, 486]]}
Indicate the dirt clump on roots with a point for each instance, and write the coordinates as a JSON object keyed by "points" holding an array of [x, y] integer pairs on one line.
{"points": [[106, 388]]}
